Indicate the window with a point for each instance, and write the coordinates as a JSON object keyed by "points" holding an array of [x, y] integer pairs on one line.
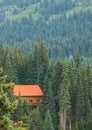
{"points": [[38, 101], [31, 101]]}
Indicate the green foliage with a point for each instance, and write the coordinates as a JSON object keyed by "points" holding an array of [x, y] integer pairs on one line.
{"points": [[8, 70], [63, 25], [48, 125], [49, 101], [6, 105], [66, 85], [64, 96], [36, 121]]}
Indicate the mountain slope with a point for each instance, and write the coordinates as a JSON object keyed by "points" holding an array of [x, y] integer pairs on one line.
{"points": [[16, 10], [64, 25]]}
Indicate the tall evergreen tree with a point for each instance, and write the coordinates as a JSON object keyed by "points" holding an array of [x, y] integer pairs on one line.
{"points": [[8, 69], [72, 78], [16, 60], [35, 65], [56, 81], [36, 121], [1, 56], [48, 125], [64, 96], [89, 75], [43, 63], [27, 65], [87, 103], [49, 101], [79, 90], [57, 77]]}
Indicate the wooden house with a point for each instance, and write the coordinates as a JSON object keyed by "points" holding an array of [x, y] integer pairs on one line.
{"points": [[32, 94]]}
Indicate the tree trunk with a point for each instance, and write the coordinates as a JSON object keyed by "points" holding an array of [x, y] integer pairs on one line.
{"points": [[61, 121]]}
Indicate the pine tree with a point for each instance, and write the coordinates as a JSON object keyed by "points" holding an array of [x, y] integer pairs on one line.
{"points": [[31, 64], [87, 103], [57, 77], [1, 56], [64, 96], [43, 63], [56, 81], [26, 72], [41, 76], [16, 58], [35, 65], [49, 101], [72, 78], [43, 56], [36, 121], [48, 125], [79, 103], [89, 75], [6, 105], [8, 69]]}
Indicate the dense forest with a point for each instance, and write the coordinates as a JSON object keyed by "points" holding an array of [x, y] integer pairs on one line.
{"points": [[49, 43], [64, 25], [66, 84]]}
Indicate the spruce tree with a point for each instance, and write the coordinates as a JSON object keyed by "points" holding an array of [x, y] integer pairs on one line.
{"points": [[35, 65], [16, 62], [79, 103], [48, 125], [87, 103], [72, 78], [49, 101], [43, 62], [27, 69], [8, 69], [56, 81], [36, 120], [57, 77], [64, 96]]}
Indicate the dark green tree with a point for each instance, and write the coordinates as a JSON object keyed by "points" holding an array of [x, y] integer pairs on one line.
{"points": [[79, 103], [57, 77], [49, 101], [48, 125], [43, 63], [26, 71], [56, 81], [64, 96], [36, 120], [8, 69], [2, 53]]}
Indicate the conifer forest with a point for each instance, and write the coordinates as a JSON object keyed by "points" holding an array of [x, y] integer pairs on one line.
{"points": [[47, 43]]}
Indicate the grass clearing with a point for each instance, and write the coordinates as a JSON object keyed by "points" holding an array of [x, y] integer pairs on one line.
{"points": [[78, 9], [25, 13]]}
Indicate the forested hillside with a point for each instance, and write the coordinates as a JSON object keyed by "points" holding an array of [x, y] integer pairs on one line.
{"points": [[63, 25], [66, 84], [48, 43]]}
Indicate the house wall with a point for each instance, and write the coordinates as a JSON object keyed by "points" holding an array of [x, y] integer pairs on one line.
{"points": [[32, 101]]}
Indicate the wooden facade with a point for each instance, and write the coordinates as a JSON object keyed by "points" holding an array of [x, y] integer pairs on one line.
{"points": [[32, 94]]}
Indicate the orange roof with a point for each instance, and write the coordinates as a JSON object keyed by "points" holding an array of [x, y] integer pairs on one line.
{"points": [[27, 90]]}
